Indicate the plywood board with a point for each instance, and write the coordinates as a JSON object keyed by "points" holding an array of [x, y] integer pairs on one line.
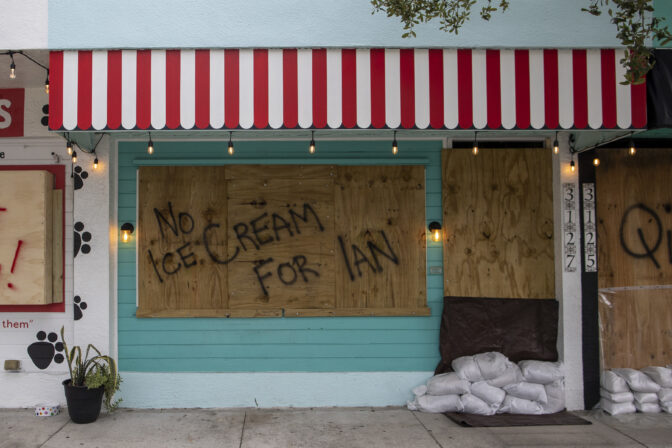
{"points": [[634, 216], [57, 247], [636, 328], [181, 236], [498, 223], [282, 236], [289, 240], [634, 209], [380, 232], [26, 217]]}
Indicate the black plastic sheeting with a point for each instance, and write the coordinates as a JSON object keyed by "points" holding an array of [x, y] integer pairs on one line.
{"points": [[659, 91], [519, 328]]}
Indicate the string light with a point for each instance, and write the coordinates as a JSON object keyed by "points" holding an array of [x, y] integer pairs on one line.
{"points": [[572, 166], [395, 147], [632, 149], [230, 144], [12, 66], [150, 145], [596, 161], [46, 83], [556, 147], [95, 163], [311, 148], [474, 150], [68, 147], [74, 156]]}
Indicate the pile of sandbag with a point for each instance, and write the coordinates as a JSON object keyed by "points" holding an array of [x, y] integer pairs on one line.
{"points": [[625, 391], [489, 383]]}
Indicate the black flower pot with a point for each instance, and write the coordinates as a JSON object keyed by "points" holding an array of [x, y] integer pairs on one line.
{"points": [[83, 404]]}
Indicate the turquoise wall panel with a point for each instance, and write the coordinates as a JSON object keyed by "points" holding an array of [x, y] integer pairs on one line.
{"points": [[320, 344]]}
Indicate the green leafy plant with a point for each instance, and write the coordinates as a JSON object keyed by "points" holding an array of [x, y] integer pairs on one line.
{"points": [[93, 370], [634, 20]]}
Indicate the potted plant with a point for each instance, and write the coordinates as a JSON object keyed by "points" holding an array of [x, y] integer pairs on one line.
{"points": [[93, 377]]}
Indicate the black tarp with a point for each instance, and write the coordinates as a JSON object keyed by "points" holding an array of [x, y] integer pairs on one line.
{"points": [[519, 328], [659, 91]]}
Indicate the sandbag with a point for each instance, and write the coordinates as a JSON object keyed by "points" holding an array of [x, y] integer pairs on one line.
{"points": [[527, 391], [541, 372], [661, 375], [493, 396], [645, 397], [638, 381], [617, 408], [420, 390], [436, 404], [620, 397], [491, 364], [511, 375], [666, 406], [474, 405], [665, 395], [447, 384], [647, 408], [514, 405], [467, 369], [555, 393], [613, 383]]}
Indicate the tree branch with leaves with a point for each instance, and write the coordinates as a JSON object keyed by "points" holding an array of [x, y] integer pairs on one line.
{"points": [[635, 23]]}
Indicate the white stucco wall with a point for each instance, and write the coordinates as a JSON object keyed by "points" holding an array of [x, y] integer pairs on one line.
{"points": [[23, 24], [86, 275]]}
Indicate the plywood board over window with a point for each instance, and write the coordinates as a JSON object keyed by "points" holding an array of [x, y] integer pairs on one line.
{"points": [[498, 223], [261, 241], [31, 238], [634, 216]]}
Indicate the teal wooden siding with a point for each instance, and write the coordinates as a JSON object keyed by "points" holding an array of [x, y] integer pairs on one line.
{"points": [[321, 344]]}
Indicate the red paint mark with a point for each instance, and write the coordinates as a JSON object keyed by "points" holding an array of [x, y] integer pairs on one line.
{"points": [[11, 285], [3, 209], [16, 255]]}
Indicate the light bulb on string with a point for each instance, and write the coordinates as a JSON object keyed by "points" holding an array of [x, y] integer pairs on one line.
{"points": [[230, 149], [12, 66], [474, 149], [311, 148], [556, 146], [395, 146], [74, 156], [95, 163], [632, 150], [68, 147], [46, 84], [596, 161], [150, 146], [572, 166]]}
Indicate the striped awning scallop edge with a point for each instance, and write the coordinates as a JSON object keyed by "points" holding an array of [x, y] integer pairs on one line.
{"points": [[342, 89]]}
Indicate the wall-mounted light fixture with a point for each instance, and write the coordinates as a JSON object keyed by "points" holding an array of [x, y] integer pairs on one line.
{"points": [[435, 231], [126, 232]]}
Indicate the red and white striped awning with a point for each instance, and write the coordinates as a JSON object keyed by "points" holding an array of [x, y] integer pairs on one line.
{"points": [[342, 88]]}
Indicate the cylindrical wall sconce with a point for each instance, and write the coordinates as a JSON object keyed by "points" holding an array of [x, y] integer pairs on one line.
{"points": [[126, 232], [435, 231]]}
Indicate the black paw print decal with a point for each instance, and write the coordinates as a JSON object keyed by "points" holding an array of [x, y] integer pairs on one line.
{"points": [[43, 352], [45, 119], [79, 176], [81, 236], [79, 306]]}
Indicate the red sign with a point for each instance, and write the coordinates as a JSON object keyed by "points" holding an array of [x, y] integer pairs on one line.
{"points": [[11, 112]]}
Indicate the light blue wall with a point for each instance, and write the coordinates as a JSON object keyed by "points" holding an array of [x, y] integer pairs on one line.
{"points": [[335, 344], [309, 23]]}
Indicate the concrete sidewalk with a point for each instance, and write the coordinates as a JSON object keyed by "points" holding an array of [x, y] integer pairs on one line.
{"points": [[320, 427]]}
